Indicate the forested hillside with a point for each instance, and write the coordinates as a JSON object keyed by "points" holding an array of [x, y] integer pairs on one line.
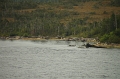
{"points": [[81, 18]]}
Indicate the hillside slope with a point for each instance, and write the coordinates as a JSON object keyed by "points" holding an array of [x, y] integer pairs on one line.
{"points": [[92, 10], [89, 18]]}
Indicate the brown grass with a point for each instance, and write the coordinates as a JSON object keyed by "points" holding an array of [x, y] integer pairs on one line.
{"points": [[26, 10], [9, 19], [87, 9], [84, 9]]}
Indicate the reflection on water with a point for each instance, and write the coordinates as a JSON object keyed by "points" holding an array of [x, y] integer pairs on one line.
{"points": [[56, 60]]}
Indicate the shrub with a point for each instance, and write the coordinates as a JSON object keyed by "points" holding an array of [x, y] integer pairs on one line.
{"points": [[110, 38], [114, 39], [105, 12], [117, 32], [96, 7], [92, 13], [25, 35], [104, 38]]}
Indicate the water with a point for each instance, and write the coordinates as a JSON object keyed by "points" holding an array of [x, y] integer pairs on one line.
{"points": [[56, 60]]}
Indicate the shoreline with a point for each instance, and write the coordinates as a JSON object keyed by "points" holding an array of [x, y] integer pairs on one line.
{"points": [[89, 40]]}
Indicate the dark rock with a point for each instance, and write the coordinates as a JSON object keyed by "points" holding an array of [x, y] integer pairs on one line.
{"points": [[94, 46]]}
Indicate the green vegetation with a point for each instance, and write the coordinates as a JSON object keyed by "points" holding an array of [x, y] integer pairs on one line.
{"points": [[115, 3], [56, 17], [107, 30]]}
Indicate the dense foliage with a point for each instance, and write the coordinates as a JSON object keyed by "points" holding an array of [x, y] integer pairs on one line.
{"points": [[115, 2]]}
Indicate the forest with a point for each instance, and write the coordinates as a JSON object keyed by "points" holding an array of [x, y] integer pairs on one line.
{"points": [[53, 18]]}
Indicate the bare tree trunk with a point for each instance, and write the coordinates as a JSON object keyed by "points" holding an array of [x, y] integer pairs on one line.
{"points": [[115, 21], [5, 7]]}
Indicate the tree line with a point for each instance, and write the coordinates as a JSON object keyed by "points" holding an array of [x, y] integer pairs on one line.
{"points": [[46, 22]]}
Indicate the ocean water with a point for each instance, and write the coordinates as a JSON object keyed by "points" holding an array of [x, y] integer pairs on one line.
{"points": [[47, 59]]}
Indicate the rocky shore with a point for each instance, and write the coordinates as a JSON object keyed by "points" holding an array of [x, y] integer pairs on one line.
{"points": [[87, 40]]}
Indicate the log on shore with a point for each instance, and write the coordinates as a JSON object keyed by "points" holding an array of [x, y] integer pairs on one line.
{"points": [[94, 46]]}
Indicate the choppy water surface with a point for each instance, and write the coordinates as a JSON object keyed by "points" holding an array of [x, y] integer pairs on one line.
{"points": [[56, 60]]}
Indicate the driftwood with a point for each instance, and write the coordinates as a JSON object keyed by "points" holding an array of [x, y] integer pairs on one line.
{"points": [[94, 46]]}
